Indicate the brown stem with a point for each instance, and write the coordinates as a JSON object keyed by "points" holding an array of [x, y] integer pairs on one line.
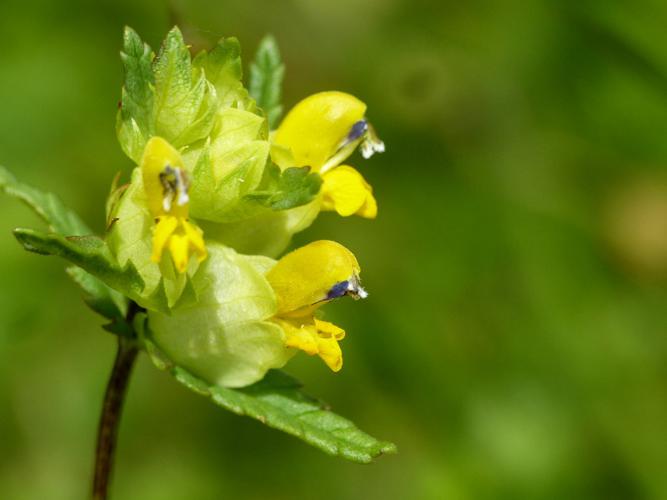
{"points": [[110, 418]]}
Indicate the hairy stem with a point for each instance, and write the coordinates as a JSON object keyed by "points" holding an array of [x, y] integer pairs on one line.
{"points": [[111, 410]]}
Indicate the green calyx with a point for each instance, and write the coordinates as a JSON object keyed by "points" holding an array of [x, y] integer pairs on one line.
{"points": [[230, 340]]}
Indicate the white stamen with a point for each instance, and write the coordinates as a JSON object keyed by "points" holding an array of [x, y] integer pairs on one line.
{"points": [[369, 144], [366, 150], [183, 198], [181, 187], [175, 185], [355, 289], [372, 143]]}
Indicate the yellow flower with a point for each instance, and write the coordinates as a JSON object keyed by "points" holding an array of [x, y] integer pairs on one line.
{"points": [[321, 132], [166, 184], [304, 280]]}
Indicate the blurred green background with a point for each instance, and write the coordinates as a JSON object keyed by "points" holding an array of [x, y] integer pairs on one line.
{"points": [[514, 342]]}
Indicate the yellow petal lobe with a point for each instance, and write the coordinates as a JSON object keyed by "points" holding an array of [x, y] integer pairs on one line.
{"points": [[178, 247], [347, 192], [158, 155], [162, 231], [303, 278], [315, 337], [195, 238], [317, 126], [182, 240], [299, 336]]}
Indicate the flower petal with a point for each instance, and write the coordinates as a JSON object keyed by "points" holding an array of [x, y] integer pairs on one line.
{"points": [[299, 336], [163, 231], [159, 154], [347, 192], [195, 238], [178, 247], [303, 278], [182, 238], [369, 210], [315, 337], [317, 126], [327, 329], [330, 352]]}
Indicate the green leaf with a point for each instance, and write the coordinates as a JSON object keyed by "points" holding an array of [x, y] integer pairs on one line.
{"points": [[48, 206], [293, 187], [223, 68], [99, 297], [278, 402], [135, 118], [266, 77], [163, 95], [138, 88], [92, 254], [229, 167], [185, 102], [65, 222]]}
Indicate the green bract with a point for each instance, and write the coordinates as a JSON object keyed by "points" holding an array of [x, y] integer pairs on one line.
{"points": [[266, 77], [229, 341], [268, 233], [228, 167]]}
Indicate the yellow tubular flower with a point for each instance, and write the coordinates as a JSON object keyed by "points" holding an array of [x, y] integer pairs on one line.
{"points": [[305, 279], [321, 132], [166, 185], [315, 128]]}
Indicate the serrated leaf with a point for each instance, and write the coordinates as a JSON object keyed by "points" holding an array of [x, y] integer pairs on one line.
{"points": [[92, 254], [293, 187], [87, 252], [229, 167], [162, 95], [266, 77], [185, 102], [48, 206], [65, 222], [223, 68], [137, 58], [277, 401], [135, 118], [222, 200]]}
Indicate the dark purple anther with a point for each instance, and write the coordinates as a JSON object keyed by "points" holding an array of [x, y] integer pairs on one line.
{"points": [[338, 290], [357, 131]]}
